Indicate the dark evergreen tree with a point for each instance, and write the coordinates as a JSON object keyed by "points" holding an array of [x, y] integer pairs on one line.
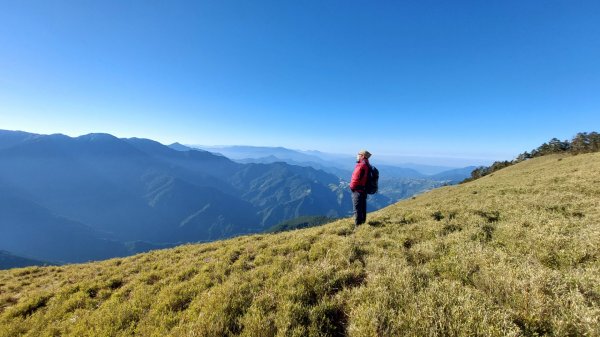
{"points": [[580, 143], [594, 139], [557, 146], [523, 156]]}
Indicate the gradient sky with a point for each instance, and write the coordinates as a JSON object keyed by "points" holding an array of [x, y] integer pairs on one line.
{"points": [[482, 80]]}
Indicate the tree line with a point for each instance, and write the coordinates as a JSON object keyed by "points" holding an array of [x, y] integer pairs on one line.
{"points": [[583, 142]]}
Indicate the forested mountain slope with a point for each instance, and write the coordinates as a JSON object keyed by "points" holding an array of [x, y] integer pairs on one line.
{"points": [[65, 199], [514, 253]]}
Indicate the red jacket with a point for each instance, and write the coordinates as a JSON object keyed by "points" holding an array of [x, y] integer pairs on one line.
{"points": [[359, 176]]}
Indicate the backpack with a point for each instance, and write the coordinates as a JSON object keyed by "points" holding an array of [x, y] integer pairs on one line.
{"points": [[372, 180]]}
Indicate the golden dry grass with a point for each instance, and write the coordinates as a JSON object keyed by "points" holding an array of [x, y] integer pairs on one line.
{"points": [[511, 254]]}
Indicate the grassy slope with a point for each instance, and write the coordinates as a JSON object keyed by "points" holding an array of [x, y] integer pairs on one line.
{"points": [[514, 253]]}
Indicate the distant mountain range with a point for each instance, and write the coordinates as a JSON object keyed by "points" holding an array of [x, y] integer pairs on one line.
{"points": [[8, 260], [66, 199], [92, 197], [340, 165], [396, 182]]}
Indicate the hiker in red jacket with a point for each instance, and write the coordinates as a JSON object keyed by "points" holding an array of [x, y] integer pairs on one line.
{"points": [[357, 186]]}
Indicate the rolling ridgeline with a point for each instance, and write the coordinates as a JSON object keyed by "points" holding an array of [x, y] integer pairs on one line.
{"points": [[513, 253]]}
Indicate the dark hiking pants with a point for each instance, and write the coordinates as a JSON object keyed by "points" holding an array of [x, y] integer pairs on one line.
{"points": [[359, 201]]}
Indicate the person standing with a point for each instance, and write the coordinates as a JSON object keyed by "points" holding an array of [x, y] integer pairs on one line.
{"points": [[358, 184]]}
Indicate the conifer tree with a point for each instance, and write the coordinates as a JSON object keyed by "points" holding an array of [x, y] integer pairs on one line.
{"points": [[580, 143]]}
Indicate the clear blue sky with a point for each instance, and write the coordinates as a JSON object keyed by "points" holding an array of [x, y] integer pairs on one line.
{"points": [[470, 79]]}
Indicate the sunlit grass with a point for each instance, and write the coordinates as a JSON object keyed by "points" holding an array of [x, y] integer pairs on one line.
{"points": [[514, 253]]}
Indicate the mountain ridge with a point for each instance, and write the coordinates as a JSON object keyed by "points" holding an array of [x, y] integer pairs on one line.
{"points": [[9, 260], [334, 163], [134, 189]]}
